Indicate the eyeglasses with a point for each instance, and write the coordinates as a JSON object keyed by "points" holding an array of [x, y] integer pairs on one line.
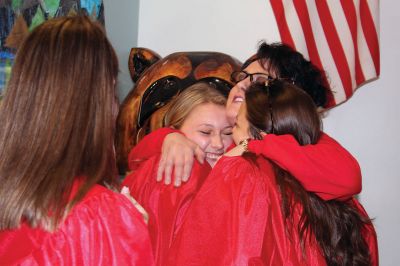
{"points": [[238, 76]]}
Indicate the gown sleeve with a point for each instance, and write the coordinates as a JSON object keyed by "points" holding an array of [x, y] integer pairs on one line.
{"points": [[325, 168], [166, 205], [149, 146], [103, 229]]}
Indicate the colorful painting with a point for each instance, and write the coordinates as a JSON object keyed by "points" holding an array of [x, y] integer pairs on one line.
{"points": [[18, 17]]}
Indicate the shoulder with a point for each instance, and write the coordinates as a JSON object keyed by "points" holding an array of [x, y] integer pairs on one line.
{"points": [[103, 204], [103, 228]]}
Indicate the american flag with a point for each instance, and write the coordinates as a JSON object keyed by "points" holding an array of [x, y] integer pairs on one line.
{"points": [[341, 37]]}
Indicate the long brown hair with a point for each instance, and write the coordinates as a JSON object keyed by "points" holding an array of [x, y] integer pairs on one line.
{"points": [[57, 121], [282, 108]]}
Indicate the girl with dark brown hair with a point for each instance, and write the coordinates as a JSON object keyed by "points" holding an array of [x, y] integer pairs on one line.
{"points": [[57, 130], [250, 211]]}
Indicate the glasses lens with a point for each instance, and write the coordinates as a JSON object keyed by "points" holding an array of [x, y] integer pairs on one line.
{"points": [[260, 78], [238, 76]]}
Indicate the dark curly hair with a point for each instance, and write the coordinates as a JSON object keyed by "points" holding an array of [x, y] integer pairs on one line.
{"points": [[281, 61]]}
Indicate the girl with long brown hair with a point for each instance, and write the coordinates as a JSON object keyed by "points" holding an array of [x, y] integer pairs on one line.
{"points": [[250, 211], [57, 153]]}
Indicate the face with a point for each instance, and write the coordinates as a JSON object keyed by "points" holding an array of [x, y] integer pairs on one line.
{"points": [[208, 126], [241, 129], [237, 93]]}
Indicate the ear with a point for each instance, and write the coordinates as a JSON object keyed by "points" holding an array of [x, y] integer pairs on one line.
{"points": [[141, 59]]}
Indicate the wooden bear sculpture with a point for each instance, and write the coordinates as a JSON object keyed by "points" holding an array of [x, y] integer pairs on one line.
{"points": [[157, 81]]}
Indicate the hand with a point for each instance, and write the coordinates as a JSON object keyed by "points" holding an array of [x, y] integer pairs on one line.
{"points": [[177, 154], [125, 191], [237, 151]]}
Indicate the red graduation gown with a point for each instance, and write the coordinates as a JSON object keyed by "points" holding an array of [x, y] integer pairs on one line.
{"points": [[104, 228], [236, 219], [166, 205]]}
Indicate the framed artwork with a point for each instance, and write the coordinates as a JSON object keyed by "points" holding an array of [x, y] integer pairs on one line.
{"points": [[18, 17]]}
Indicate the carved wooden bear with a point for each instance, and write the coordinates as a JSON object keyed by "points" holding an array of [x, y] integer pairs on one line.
{"points": [[157, 81]]}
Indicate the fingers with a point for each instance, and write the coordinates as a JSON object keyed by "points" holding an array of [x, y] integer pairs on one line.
{"points": [[178, 170], [165, 167], [177, 157], [167, 172], [187, 169], [160, 170]]}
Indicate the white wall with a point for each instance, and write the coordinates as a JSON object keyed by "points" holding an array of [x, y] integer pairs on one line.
{"points": [[367, 125], [121, 21]]}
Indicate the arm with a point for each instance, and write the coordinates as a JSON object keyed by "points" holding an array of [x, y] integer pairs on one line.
{"points": [[177, 154], [325, 168], [149, 146]]}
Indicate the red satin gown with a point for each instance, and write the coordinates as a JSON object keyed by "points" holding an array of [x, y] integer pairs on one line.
{"points": [[104, 228], [166, 205], [236, 219]]}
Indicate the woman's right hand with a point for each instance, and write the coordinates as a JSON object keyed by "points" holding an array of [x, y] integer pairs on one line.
{"points": [[177, 155]]}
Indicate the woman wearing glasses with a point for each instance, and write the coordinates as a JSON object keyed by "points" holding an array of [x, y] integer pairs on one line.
{"points": [[325, 168], [251, 211]]}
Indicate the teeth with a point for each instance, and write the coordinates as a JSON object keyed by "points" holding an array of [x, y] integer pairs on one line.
{"points": [[213, 155], [238, 99]]}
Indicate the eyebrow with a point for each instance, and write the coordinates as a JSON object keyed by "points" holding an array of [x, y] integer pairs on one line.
{"points": [[210, 125]]}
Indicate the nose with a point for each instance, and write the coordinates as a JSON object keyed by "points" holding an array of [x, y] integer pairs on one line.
{"points": [[243, 85], [216, 142]]}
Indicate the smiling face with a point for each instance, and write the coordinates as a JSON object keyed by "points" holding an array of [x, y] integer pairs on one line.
{"points": [[237, 93], [208, 126]]}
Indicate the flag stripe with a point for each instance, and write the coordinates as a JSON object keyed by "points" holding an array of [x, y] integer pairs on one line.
{"points": [[302, 12], [277, 7], [335, 46], [370, 33], [351, 17], [340, 37], [336, 91]]}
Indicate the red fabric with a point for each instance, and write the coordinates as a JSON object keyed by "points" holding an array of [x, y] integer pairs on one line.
{"points": [[237, 205], [236, 219], [369, 234], [166, 205], [326, 168], [104, 228]]}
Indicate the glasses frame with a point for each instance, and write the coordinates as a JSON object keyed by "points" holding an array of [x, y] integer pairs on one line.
{"points": [[235, 73]]}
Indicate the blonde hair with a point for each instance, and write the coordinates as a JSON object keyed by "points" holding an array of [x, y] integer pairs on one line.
{"points": [[57, 121], [185, 102]]}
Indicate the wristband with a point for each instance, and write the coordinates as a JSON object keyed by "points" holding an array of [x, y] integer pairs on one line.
{"points": [[245, 144]]}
